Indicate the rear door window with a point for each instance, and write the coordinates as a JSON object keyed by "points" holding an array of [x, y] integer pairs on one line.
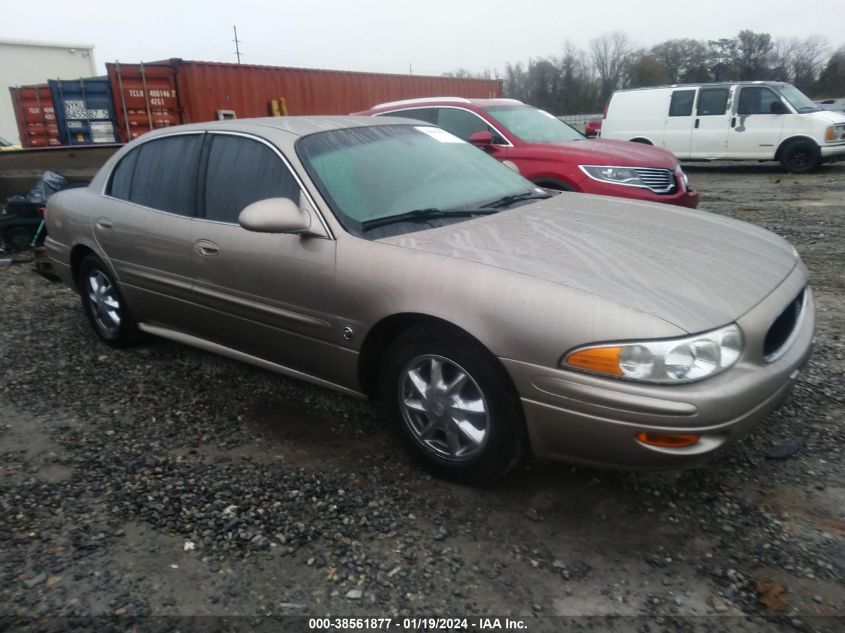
{"points": [[241, 171], [712, 101], [461, 123], [165, 174], [121, 178], [681, 103]]}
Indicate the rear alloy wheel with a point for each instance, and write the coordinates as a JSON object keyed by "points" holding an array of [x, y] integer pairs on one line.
{"points": [[800, 157], [453, 405], [104, 305]]}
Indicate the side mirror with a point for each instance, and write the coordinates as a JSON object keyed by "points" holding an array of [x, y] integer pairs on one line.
{"points": [[481, 139], [275, 215], [777, 107]]}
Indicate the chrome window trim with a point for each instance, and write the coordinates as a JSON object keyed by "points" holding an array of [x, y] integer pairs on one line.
{"points": [[445, 107], [329, 235]]}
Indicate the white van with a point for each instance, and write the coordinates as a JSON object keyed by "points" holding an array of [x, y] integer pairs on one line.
{"points": [[755, 120]]}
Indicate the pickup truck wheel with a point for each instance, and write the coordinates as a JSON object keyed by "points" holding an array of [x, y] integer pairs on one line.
{"points": [[800, 157], [453, 405], [103, 304]]}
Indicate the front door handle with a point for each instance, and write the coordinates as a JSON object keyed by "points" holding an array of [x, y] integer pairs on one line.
{"points": [[696, 123], [104, 224], [206, 248], [733, 121]]}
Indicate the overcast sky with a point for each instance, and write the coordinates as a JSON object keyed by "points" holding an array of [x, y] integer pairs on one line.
{"points": [[435, 36]]}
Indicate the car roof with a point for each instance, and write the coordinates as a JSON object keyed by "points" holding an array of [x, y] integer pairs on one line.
{"points": [[455, 101], [295, 125], [712, 84]]}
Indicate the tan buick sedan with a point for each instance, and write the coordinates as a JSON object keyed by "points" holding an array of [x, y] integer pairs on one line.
{"points": [[387, 258]]}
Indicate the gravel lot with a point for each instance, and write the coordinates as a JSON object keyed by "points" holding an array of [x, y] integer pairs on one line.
{"points": [[165, 481]]}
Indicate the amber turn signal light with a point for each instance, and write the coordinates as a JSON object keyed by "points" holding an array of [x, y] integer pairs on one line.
{"points": [[604, 360], [667, 440]]}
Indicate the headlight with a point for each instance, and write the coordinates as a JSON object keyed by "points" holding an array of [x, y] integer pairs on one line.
{"points": [[684, 178], [617, 175], [667, 361], [835, 133]]}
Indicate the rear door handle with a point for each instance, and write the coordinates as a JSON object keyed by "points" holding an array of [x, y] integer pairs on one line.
{"points": [[733, 121], [206, 248], [696, 123], [104, 224]]}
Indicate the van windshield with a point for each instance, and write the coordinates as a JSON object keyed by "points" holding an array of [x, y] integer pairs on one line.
{"points": [[797, 99], [533, 125]]}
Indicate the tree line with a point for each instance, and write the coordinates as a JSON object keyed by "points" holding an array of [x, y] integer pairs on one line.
{"points": [[581, 81]]}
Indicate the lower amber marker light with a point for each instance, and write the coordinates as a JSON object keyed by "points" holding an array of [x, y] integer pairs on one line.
{"points": [[667, 440]]}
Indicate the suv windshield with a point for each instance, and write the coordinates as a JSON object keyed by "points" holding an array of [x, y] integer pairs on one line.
{"points": [[797, 99], [533, 125], [421, 173]]}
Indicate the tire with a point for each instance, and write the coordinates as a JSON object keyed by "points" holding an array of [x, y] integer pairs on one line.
{"points": [[17, 238], [104, 305], [468, 429], [800, 157]]}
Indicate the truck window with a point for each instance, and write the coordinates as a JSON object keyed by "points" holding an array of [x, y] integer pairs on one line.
{"points": [[712, 101], [756, 100], [681, 103]]}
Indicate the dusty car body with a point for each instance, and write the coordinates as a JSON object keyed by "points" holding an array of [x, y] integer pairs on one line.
{"points": [[573, 327]]}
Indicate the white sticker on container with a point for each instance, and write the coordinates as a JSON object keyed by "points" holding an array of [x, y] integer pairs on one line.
{"points": [[441, 135]]}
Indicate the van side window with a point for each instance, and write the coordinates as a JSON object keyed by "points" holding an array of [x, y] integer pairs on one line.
{"points": [[712, 101], [756, 100], [241, 171], [165, 175], [681, 103]]}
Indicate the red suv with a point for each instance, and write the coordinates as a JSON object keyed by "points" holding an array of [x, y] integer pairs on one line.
{"points": [[550, 153]]}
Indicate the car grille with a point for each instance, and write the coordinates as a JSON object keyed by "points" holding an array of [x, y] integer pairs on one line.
{"points": [[658, 180], [780, 334]]}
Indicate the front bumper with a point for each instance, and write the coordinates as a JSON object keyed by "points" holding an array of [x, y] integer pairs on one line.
{"points": [[833, 151], [582, 418]]}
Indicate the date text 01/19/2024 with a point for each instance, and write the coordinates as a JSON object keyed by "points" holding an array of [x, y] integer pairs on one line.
{"points": [[416, 624]]}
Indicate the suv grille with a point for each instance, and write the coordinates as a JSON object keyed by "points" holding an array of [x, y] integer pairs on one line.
{"points": [[658, 180], [779, 335]]}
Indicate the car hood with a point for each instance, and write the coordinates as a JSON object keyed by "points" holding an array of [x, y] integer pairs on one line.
{"points": [[695, 270], [600, 151], [829, 116]]}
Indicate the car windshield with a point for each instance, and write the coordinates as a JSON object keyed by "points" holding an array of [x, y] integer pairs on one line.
{"points": [[421, 174], [533, 125], [797, 99]]}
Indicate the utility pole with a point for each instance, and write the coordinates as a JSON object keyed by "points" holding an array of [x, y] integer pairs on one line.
{"points": [[237, 41], [410, 68]]}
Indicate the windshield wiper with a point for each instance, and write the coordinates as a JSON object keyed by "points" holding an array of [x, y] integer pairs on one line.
{"points": [[507, 201], [423, 215]]}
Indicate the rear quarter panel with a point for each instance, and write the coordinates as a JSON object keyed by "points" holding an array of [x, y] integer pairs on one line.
{"points": [[637, 114]]}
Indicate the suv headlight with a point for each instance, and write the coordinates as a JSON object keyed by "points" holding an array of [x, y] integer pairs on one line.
{"points": [[835, 133], [617, 175], [684, 178], [667, 361]]}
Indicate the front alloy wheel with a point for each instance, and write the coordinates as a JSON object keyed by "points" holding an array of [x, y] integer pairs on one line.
{"points": [[443, 407], [453, 404]]}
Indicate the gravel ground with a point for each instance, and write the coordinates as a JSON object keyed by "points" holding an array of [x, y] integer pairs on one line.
{"points": [[163, 481]]}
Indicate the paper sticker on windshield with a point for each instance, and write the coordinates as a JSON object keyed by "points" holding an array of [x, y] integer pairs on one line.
{"points": [[441, 135]]}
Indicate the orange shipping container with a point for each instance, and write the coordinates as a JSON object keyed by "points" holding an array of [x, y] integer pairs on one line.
{"points": [[159, 94], [35, 115]]}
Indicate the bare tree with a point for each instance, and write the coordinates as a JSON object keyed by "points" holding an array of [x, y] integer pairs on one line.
{"points": [[807, 61], [610, 53]]}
